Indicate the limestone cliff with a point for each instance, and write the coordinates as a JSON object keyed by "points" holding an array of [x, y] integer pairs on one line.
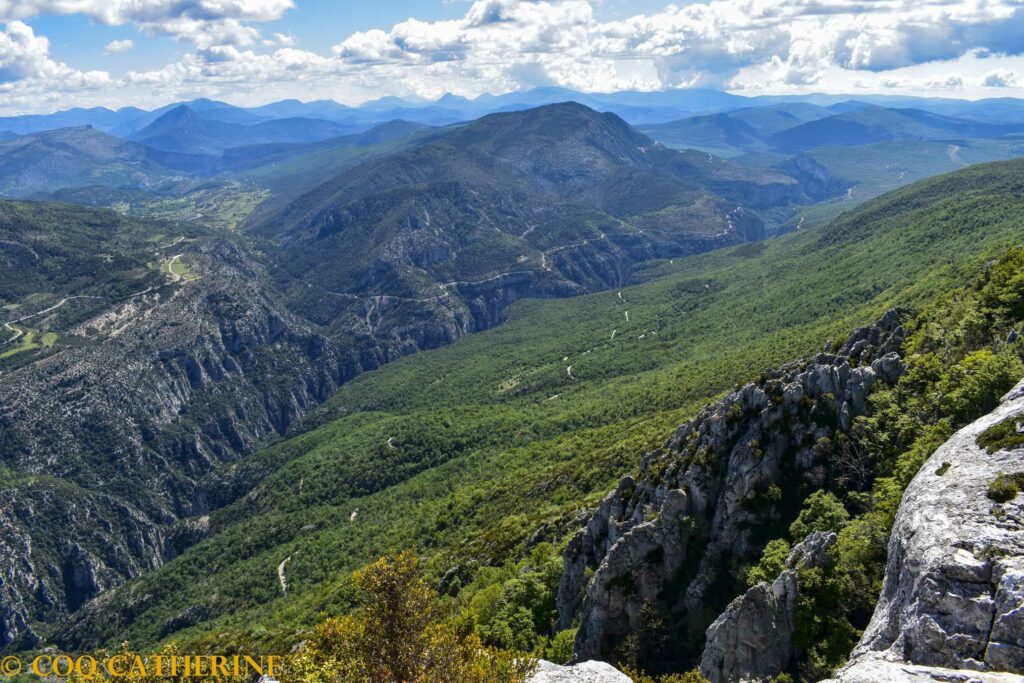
{"points": [[953, 597], [668, 548]]}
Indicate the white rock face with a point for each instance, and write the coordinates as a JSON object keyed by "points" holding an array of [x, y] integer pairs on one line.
{"points": [[873, 668], [953, 596], [587, 672]]}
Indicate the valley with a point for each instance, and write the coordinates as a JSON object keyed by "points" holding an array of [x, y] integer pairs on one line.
{"points": [[660, 378], [247, 354]]}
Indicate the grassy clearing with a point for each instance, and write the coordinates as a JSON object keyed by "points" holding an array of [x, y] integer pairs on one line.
{"points": [[26, 342], [178, 267], [31, 340]]}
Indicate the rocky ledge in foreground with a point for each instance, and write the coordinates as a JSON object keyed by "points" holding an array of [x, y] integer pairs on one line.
{"points": [[587, 672], [952, 606]]}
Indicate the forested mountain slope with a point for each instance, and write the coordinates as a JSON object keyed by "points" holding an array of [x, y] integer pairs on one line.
{"points": [[73, 157], [474, 452], [541, 203]]}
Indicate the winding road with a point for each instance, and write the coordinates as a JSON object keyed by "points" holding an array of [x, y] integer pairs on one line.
{"points": [[170, 268], [17, 333]]}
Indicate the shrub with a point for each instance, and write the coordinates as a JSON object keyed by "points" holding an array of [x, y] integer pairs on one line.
{"points": [[396, 636], [773, 561], [1005, 487], [822, 512], [561, 648], [688, 677], [974, 386], [822, 630], [1002, 436]]}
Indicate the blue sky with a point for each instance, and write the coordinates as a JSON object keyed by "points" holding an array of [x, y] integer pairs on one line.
{"points": [[58, 53]]}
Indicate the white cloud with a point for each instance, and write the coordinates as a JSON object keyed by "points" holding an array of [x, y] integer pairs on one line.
{"points": [[118, 46], [282, 39], [791, 42], [22, 54], [25, 62], [1000, 79], [204, 22]]}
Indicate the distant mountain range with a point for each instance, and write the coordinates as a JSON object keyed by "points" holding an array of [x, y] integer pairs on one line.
{"points": [[638, 108], [180, 145], [184, 129], [274, 154], [74, 157], [795, 127]]}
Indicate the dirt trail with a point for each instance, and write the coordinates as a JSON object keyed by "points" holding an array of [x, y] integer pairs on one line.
{"points": [[444, 287], [17, 333]]}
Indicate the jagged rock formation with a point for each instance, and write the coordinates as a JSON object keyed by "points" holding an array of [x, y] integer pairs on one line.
{"points": [[953, 596], [668, 548], [753, 639], [587, 672]]}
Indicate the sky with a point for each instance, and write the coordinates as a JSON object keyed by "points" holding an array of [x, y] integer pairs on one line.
{"points": [[56, 54]]}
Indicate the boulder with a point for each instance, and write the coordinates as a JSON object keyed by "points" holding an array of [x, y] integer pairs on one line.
{"points": [[874, 668], [587, 672]]}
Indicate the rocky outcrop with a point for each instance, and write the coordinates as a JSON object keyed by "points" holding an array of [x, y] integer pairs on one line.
{"points": [[953, 596], [667, 548], [875, 668], [587, 672], [814, 177], [117, 433], [753, 639]]}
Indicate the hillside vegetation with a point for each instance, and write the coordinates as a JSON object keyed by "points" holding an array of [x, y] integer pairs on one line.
{"points": [[477, 451]]}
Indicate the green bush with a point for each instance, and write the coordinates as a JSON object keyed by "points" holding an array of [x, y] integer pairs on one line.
{"points": [[773, 561], [1005, 487], [822, 511], [560, 649], [1002, 436], [974, 386]]}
